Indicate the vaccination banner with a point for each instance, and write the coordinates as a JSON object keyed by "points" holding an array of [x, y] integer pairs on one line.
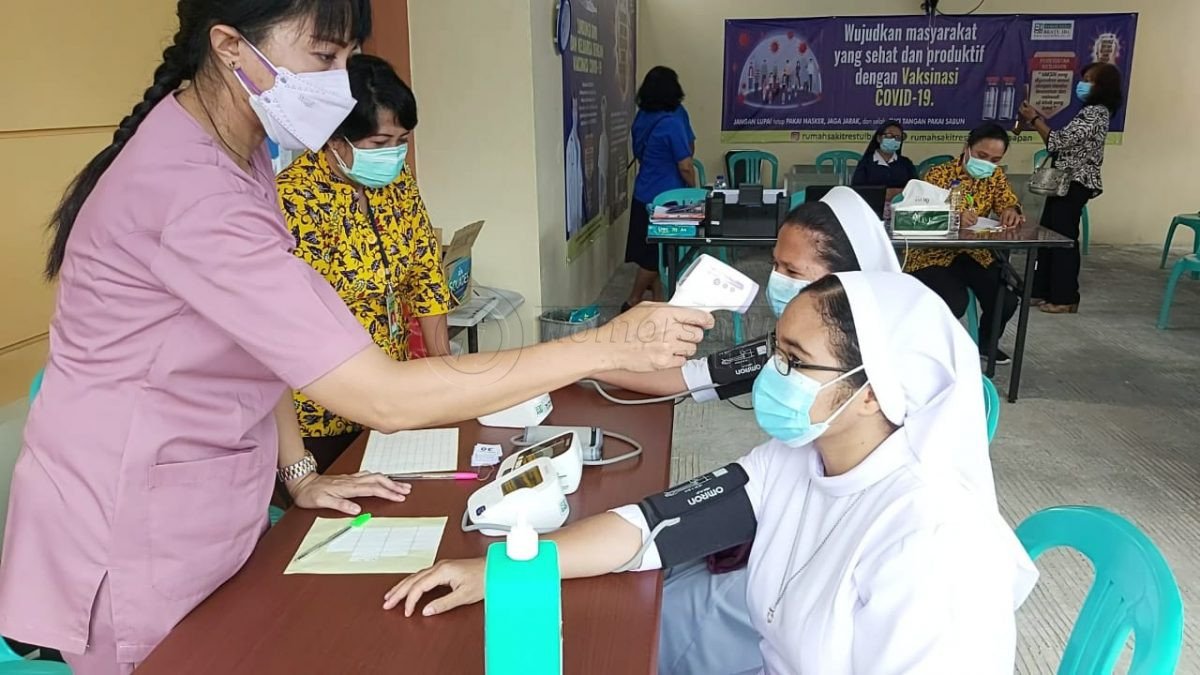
{"points": [[598, 106], [836, 79]]}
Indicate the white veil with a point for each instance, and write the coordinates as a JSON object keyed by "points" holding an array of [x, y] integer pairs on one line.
{"points": [[924, 370], [866, 232]]}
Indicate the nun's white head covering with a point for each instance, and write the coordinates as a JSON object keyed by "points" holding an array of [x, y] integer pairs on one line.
{"points": [[866, 232], [924, 370]]}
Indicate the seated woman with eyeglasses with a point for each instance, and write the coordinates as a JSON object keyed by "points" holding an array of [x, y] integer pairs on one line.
{"points": [[884, 164], [878, 543]]}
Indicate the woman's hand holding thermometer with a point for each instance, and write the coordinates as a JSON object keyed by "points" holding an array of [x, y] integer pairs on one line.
{"points": [[651, 336]]}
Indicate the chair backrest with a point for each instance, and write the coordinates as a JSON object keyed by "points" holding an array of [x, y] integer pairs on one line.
{"points": [[991, 406], [12, 664], [679, 196], [841, 163], [928, 164], [1039, 156], [1133, 591], [753, 160], [701, 174], [6, 653], [35, 385]]}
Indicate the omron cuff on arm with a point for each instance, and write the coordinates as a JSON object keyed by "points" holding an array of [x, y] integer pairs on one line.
{"points": [[707, 514], [734, 370]]}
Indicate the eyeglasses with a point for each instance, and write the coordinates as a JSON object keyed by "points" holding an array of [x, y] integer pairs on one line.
{"points": [[785, 364]]}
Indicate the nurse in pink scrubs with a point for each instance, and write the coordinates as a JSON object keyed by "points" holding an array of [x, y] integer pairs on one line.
{"points": [[183, 322]]}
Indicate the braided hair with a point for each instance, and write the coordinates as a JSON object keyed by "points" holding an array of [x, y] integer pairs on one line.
{"points": [[188, 54]]}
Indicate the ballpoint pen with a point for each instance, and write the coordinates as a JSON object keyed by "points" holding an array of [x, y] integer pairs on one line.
{"points": [[354, 524], [447, 475]]}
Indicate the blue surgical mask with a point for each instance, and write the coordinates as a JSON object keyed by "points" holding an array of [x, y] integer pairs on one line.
{"points": [[1083, 90], [781, 289], [891, 144], [375, 167], [783, 403], [979, 169]]}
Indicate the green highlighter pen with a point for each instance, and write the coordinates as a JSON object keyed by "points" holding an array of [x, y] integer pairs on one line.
{"points": [[354, 524]]}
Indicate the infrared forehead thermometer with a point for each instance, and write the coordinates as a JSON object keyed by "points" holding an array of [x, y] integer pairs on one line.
{"points": [[710, 284]]}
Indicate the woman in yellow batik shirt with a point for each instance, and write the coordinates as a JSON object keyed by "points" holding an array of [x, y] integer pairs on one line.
{"points": [[951, 272], [359, 221]]}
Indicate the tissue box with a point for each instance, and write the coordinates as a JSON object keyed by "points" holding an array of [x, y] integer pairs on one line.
{"points": [[920, 221]]}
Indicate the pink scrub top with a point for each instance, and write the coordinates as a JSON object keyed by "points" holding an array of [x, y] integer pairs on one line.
{"points": [[181, 319]]}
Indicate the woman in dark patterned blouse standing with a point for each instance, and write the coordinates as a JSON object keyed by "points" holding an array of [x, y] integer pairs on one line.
{"points": [[1077, 148]]}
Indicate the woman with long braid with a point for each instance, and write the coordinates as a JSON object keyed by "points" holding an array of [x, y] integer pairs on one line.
{"points": [[182, 324]]}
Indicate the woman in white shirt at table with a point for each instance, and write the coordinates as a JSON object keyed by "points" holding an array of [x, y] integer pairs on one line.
{"points": [[878, 544]]}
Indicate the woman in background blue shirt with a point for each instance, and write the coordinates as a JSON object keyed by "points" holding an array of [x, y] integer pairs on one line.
{"points": [[883, 164], [662, 146]]}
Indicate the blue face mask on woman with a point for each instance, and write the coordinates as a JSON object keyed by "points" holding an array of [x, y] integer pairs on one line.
{"points": [[1083, 90], [781, 289], [375, 167], [783, 403], [891, 144], [979, 169]]}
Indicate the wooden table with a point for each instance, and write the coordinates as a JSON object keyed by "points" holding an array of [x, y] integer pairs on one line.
{"points": [[263, 623], [1029, 237]]}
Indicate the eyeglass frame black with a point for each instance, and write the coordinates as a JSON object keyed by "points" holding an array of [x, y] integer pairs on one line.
{"points": [[791, 363]]}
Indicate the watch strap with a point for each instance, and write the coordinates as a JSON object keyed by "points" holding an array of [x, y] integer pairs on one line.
{"points": [[298, 470]]}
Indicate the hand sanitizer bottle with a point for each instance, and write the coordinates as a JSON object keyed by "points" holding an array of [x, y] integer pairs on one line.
{"points": [[522, 605]]}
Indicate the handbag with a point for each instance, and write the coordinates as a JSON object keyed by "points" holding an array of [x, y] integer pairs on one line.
{"points": [[1049, 180]]}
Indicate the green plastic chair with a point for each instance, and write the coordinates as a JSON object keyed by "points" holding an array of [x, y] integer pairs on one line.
{"points": [[753, 160], [12, 664], [35, 385], [973, 316], [691, 196], [797, 199], [273, 513], [1191, 220], [1085, 227], [1134, 591], [1188, 263], [924, 167], [701, 174], [991, 406], [840, 162]]}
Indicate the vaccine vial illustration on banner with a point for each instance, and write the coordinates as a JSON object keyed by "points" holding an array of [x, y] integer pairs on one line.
{"points": [[781, 72], [602, 150], [574, 162], [623, 34], [1106, 48]]}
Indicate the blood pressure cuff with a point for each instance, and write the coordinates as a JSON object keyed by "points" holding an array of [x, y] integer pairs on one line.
{"points": [[734, 370], [714, 514]]}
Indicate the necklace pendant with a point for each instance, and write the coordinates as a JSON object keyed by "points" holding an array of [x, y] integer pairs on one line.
{"points": [[771, 615]]}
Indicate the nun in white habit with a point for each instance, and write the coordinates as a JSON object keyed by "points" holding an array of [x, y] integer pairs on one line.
{"points": [[878, 547]]}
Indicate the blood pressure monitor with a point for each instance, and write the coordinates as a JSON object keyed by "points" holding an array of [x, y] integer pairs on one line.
{"points": [[564, 452], [532, 490]]}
